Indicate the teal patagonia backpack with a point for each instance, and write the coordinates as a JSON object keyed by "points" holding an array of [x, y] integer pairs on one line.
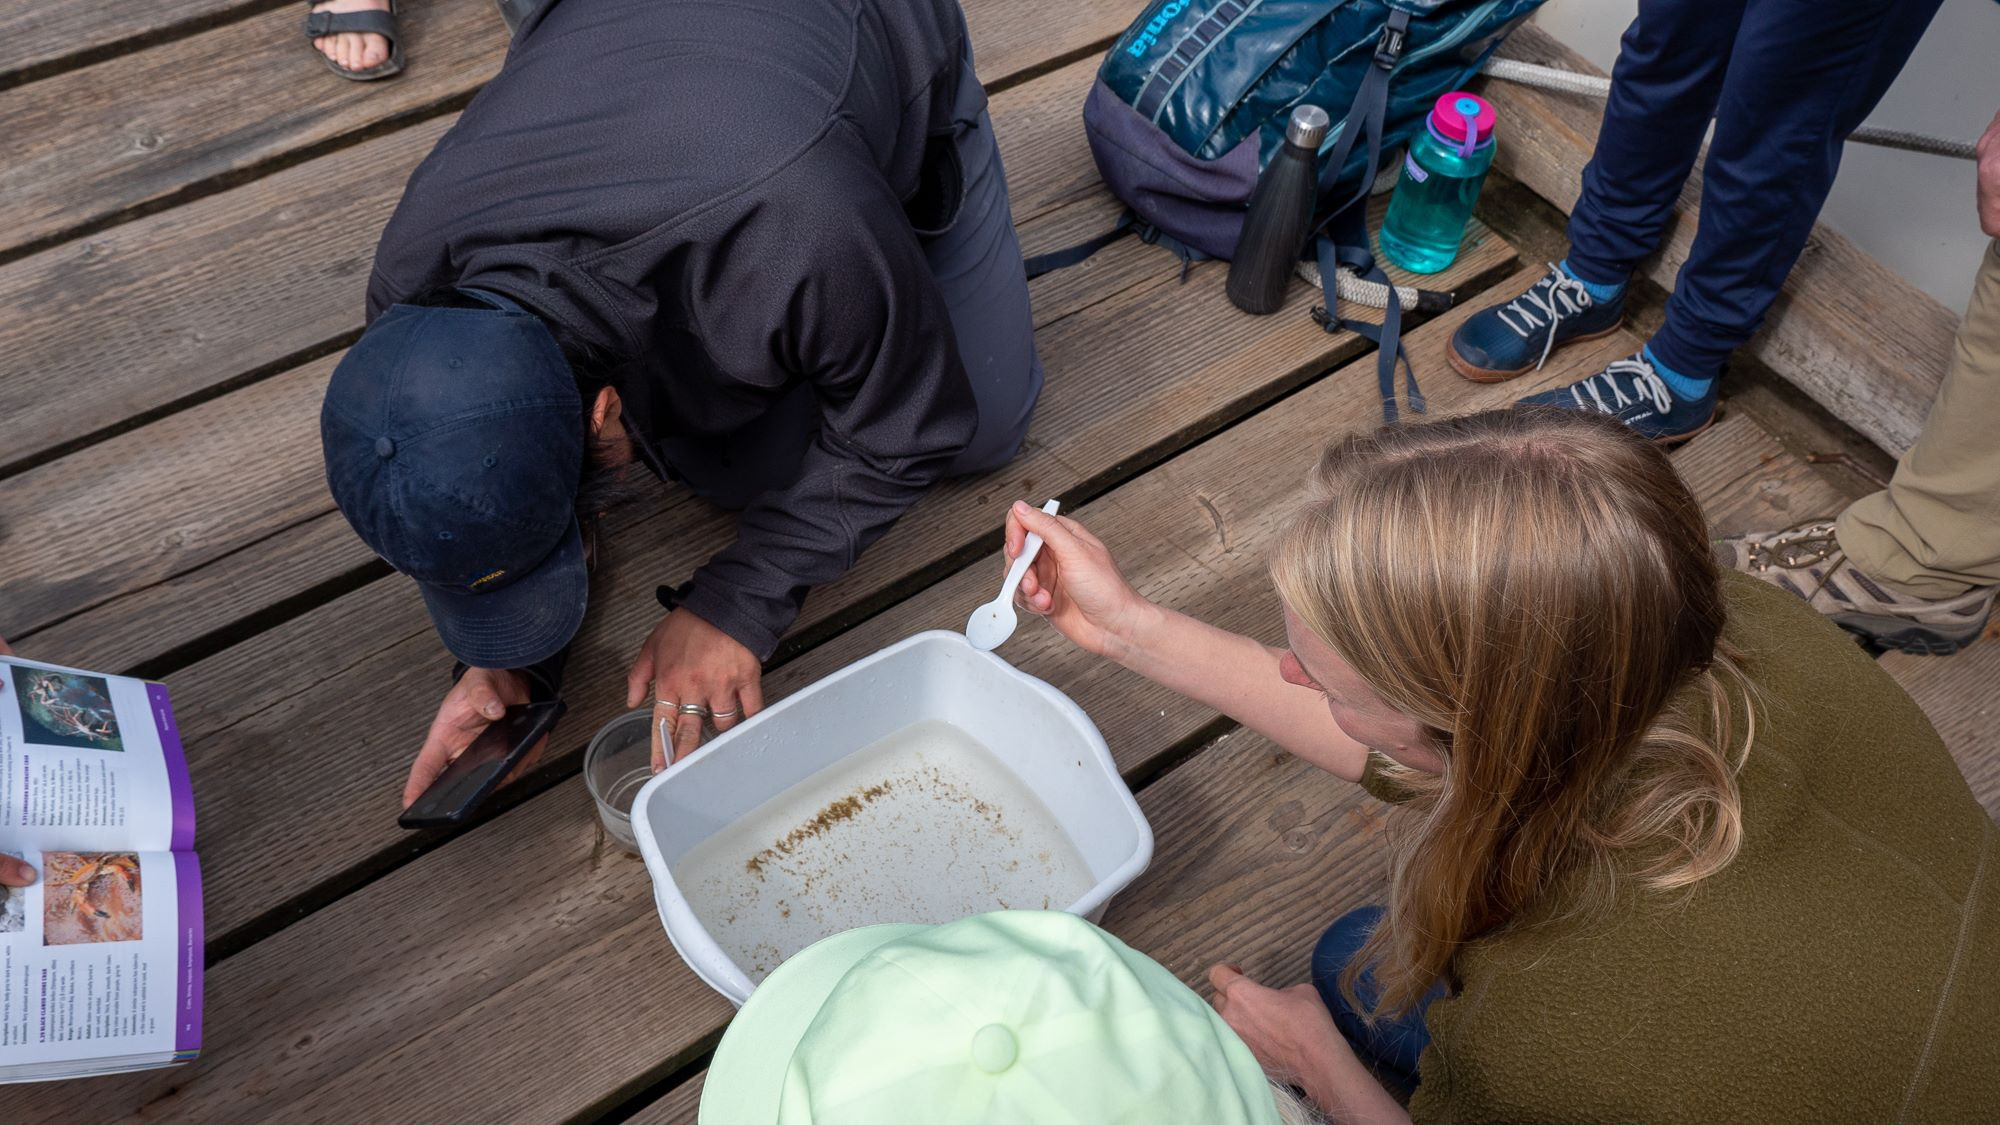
{"points": [[1193, 99]]}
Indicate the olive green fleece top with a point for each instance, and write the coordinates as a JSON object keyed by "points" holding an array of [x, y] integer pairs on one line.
{"points": [[1845, 966]]}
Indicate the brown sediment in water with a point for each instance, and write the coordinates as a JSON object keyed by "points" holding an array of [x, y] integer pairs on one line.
{"points": [[843, 809]]}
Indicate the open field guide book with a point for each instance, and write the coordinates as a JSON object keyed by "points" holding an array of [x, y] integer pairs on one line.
{"points": [[101, 959]]}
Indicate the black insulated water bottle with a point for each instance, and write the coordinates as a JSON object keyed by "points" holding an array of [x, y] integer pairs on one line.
{"points": [[1280, 216]]}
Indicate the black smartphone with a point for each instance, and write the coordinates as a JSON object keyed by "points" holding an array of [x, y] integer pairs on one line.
{"points": [[472, 777]]}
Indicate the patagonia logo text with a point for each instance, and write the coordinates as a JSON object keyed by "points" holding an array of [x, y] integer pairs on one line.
{"points": [[1150, 34]]}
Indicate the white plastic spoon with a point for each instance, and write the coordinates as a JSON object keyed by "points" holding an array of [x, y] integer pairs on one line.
{"points": [[992, 623]]}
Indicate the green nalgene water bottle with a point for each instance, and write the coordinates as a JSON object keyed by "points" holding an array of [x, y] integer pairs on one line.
{"points": [[1442, 174]]}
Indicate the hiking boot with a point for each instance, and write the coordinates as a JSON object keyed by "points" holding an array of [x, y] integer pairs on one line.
{"points": [[1631, 391], [1807, 560], [1516, 337]]}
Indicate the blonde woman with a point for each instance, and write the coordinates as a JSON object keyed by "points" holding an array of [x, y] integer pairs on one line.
{"points": [[1671, 847]]}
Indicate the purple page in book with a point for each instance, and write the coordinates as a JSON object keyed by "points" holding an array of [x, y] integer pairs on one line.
{"points": [[189, 955], [180, 788]]}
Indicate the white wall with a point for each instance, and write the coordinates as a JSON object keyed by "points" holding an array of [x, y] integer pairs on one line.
{"points": [[1914, 213]]}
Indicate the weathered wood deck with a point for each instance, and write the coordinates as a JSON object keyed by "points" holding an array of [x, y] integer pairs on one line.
{"points": [[188, 204]]}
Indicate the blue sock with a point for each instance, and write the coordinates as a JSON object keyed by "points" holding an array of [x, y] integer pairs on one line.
{"points": [[1685, 387], [1598, 293]]}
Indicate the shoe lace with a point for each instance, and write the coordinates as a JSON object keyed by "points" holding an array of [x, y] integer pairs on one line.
{"points": [[1800, 548], [1797, 547], [1544, 305], [1644, 383]]}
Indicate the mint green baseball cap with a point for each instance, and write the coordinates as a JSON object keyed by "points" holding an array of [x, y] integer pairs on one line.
{"points": [[1027, 1016]]}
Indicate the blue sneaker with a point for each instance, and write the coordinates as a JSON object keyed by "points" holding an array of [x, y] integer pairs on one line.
{"points": [[1632, 392], [1516, 337]]}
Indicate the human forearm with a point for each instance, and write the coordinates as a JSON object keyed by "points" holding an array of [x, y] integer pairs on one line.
{"points": [[1294, 1037], [1358, 1100], [786, 544], [1237, 676], [1344, 1090]]}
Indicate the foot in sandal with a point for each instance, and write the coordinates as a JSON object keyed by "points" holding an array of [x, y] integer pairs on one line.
{"points": [[356, 38]]}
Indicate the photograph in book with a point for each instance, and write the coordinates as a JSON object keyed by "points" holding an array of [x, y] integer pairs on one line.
{"points": [[101, 956], [13, 907], [91, 897], [66, 709]]}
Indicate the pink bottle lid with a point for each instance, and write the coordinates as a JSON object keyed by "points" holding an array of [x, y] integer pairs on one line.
{"points": [[1449, 114]]}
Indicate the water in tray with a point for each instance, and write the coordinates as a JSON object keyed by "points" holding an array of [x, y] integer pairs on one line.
{"points": [[926, 825]]}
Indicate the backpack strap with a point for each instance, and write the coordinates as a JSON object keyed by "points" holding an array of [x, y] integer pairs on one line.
{"points": [[1342, 238], [1154, 236], [1071, 255], [1371, 105], [1349, 248], [1128, 223]]}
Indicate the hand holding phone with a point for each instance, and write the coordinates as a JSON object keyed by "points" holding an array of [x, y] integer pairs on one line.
{"points": [[477, 700], [455, 795]]}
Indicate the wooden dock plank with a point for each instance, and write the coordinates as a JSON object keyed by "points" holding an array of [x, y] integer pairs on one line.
{"points": [[1852, 334], [163, 626], [134, 319], [146, 506], [1256, 852], [40, 37], [595, 905], [149, 126], [678, 1106], [136, 130]]}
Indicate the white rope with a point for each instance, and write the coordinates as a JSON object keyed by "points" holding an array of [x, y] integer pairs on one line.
{"points": [[1350, 287], [1597, 86]]}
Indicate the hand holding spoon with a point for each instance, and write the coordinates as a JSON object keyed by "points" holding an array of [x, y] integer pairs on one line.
{"points": [[992, 623]]}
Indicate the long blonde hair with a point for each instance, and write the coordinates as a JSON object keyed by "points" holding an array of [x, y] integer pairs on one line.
{"points": [[1533, 587]]}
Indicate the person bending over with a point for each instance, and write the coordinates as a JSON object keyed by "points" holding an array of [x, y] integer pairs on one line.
{"points": [[1670, 847], [766, 254]]}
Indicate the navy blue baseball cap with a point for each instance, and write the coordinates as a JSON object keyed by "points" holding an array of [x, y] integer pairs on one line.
{"points": [[454, 441]]}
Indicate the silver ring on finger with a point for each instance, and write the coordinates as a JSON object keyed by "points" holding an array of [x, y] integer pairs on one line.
{"points": [[729, 714], [667, 703], [694, 709]]}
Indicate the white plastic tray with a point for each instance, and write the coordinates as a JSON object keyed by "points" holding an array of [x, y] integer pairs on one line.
{"points": [[1046, 739]]}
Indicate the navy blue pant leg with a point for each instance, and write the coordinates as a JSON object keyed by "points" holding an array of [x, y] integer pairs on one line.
{"points": [[979, 270], [1390, 1046], [1792, 80], [1805, 74], [1664, 88]]}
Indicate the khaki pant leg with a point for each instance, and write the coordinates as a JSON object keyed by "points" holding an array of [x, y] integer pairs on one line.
{"points": [[1935, 531]]}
